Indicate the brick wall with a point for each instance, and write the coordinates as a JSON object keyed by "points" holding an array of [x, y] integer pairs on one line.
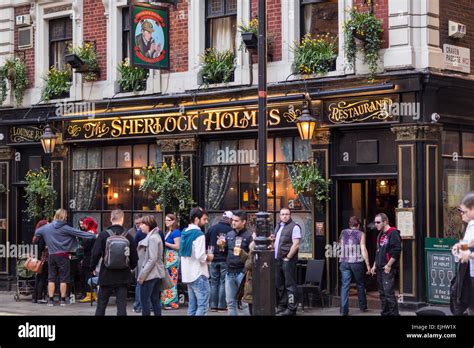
{"points": [[461, 11], [381, 12], [273, 26], [179, 37], [95, 29], [29, 54]]}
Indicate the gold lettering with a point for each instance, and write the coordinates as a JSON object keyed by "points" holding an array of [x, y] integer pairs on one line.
{"points": [[227, 120], [116, 128], [193, 122], [138, 126], [169, 120], [213, 118], [148, 126], [182, 123], [274, 116]]}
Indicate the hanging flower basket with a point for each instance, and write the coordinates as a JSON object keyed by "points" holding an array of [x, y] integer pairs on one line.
{"points": [[250, 40], [84, 60]]}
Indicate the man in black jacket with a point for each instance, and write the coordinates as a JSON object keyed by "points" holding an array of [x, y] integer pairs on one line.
{"points": [[386, 263], [218, 266], [235, 267], [113, 279]]}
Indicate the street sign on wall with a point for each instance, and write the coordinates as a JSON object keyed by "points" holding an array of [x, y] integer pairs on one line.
{"points": [[440, 268], [457, 58]]}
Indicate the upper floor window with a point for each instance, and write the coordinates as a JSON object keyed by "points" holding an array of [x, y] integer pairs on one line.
{"points": [[319, 17], [60, 37], [125, 32], [221, 24]]}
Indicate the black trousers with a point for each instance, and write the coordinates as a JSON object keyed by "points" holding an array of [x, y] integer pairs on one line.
{"points": [[386, 283], [104, 295], [41, 284], [285, 282]]}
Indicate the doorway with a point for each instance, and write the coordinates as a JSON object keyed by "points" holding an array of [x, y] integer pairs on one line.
{"points": [[365, 198]]}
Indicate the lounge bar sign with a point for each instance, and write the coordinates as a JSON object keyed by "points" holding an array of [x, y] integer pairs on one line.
{"points": [[199, 122], [25, 134], [361, 110]]}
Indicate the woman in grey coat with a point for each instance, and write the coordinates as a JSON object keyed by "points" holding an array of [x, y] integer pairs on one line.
{"points": [[151, 269]]}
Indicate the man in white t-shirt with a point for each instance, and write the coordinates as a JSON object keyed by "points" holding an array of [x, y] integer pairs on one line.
{"points": [[466, 209], [194, 270]]}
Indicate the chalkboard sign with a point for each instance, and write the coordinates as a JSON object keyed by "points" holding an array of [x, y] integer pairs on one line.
{"points": [[440, 268]]}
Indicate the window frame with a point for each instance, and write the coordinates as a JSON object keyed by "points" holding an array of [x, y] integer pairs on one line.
{"points": [[209, 18], [53, 41]]}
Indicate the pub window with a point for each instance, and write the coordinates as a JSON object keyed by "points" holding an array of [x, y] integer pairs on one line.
{"points": [[221, 24], [319, 17], [109, 177], [125, 32], [231, 180], [60, 37], [458, 178]]}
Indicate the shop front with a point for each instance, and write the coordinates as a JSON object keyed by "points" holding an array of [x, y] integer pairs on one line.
{"points": [[383, 149]]}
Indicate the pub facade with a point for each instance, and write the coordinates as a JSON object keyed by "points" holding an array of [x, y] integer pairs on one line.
{"points": [[402, 144]]}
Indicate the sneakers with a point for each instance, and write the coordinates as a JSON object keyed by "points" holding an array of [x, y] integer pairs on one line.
{"points": [[214, 309], [222, 310], [63, 303], [50, 303], [137, 310], [87, 298], [42, 301]]}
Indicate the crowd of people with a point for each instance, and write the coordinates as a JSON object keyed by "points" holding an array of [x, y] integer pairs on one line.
{"points": [[216, 266]]}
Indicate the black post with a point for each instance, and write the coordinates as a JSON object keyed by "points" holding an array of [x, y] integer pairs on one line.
{"points": [[263, 281]]}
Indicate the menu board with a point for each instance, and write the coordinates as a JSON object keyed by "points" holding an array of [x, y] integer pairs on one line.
{"points": [[440, 269]]}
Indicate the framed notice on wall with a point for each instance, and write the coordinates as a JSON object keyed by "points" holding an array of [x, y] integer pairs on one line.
{"points": [[149, 37], [458, 183], [405, 222]]}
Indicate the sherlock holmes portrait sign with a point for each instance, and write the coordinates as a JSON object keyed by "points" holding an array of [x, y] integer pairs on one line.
{"points": [[149, 37]]}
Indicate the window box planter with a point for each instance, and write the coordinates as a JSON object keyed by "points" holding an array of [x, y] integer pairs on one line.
{"points": [[250, 40], [79, 66]]}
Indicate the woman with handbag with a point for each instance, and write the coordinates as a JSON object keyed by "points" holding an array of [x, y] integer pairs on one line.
{"points": [[152, 275], [41, 278]]}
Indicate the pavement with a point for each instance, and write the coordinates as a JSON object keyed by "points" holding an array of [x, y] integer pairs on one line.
{"points": [[8, 307]]}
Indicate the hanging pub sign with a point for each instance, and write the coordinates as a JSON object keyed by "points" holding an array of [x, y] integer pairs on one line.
{"points": [[25, 134], [206, 122], [365, 110], [149, 37]]}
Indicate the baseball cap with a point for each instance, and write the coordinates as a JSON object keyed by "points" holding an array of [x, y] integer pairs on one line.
{"points": [[228, 214]]}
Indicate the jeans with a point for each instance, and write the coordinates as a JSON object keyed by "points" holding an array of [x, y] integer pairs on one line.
{"points": [[347, 271], [218, 271], [103, 299], [150, 296], [285, 281], [137, 305], [232, 283], [386, 283], [198, 293]]}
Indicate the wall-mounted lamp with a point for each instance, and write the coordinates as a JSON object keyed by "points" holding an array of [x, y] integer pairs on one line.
{"points": [[306, 123], [48, 140]]}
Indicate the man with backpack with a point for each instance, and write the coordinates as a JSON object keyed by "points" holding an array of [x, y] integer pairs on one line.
{"points": [[119, 256]]}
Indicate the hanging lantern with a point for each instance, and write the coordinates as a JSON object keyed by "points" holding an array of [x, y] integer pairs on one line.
{"points": [[48, 140], [306, 124]]}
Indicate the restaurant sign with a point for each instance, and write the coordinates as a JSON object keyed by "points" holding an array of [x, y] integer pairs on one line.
{"points": [[361, 110], [199, 122], [25, 134]]}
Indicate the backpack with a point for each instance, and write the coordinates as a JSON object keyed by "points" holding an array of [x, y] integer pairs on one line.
{"points": [[117, 251]]}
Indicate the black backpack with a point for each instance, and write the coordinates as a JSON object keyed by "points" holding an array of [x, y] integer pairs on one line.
{"points": [[117, 251]]}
